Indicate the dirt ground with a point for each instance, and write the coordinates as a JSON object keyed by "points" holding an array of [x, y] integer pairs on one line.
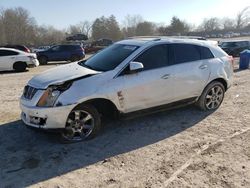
{"points": [[178, 148]]}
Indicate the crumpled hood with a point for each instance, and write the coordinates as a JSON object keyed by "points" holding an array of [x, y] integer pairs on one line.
{"points": [[60, 74]]}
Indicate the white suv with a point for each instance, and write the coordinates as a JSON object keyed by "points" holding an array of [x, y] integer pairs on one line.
{"points": [[127, 77]]}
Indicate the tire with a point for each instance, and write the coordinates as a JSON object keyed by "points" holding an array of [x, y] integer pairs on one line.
{"points": [[43, 60], [83, 123], [20, 66], [212, 96], [74, 58]]}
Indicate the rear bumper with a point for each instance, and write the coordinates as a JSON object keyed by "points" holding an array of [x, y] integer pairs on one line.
{"points": [[45, 118]]}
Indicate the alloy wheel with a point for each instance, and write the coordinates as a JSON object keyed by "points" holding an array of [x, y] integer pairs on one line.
{"points": [[79, 125], [214, 97]]}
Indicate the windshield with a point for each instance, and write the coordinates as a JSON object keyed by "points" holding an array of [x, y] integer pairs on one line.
{"points": [[109, 58]]}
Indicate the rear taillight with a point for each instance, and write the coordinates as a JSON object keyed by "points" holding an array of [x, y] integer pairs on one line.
{"points": [[27, 50]]}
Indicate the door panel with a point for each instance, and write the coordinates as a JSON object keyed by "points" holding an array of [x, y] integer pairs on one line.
{"points": [[147, 89], [6, 62], [58, 53], [152, 86], [7, 58], [191, 72], [190, 79]]}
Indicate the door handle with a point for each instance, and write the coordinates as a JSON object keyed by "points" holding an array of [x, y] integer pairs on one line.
{"points": [[203, 67], [166, 76]]}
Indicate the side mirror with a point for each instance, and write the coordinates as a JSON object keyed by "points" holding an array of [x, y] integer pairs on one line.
{"points": [[135, 66]]}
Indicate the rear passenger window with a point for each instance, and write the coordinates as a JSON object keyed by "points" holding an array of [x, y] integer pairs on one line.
{"points": [[155, 57], [7, 53], [206, 53], [186, 53]]}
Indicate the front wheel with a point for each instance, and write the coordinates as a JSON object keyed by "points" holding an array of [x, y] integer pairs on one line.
{"points": [[83, 123], [212, 96]]}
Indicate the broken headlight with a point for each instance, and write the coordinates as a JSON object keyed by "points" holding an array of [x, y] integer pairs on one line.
{"points": [[52, 93]]}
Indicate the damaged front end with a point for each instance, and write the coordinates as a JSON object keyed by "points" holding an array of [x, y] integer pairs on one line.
{"points": [[52, 93], [41, 107]]}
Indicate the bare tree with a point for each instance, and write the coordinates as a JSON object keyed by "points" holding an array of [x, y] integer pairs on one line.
{"points": [[86, 27], [130, 23], [2, 28], [132, 20], [48, 35], [243, 18], [227, 24], [74, 29], [211, 24], [17, 26], [81, 28]]}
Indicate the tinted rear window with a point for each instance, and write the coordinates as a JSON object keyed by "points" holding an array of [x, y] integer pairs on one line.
{"points": [[7, 53], [206, 53], [185, 53]]}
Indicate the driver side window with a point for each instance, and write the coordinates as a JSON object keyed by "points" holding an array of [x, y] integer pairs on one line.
{"points": [[155, 57]]}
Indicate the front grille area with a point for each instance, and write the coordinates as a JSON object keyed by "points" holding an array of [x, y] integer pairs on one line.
{"points": [[29, 92]]}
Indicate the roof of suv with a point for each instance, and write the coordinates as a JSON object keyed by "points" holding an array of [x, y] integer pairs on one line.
{"points": [[141, 41]]}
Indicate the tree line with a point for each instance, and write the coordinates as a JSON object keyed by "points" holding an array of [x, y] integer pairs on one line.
{"points": [[17, 26]]}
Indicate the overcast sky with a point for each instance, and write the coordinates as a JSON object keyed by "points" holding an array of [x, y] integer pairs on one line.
{"points": [[62, 13]]}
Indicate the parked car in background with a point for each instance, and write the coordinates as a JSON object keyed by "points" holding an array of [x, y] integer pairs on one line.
{"points": [[234, 48], [40, 48], [98, 45], [18, 47], [12, 59], [61, 53], [127, 77]]}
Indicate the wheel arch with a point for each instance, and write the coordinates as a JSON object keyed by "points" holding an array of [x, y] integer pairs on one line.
{"points": [[221, 80], [104, 106]]}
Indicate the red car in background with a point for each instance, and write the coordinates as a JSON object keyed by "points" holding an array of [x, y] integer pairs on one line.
{"points": [[18, 47]]}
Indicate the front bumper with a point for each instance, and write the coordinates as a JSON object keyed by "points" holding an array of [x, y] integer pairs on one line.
{"points": [[33, 63], [46, 118]]}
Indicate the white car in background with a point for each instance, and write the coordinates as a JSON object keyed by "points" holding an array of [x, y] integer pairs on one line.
{"points": [[12, 59]]}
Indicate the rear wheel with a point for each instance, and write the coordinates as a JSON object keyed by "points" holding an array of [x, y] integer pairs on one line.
{"points": [[43, 60], [83, 123], [212, 96], [20, 66]]}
